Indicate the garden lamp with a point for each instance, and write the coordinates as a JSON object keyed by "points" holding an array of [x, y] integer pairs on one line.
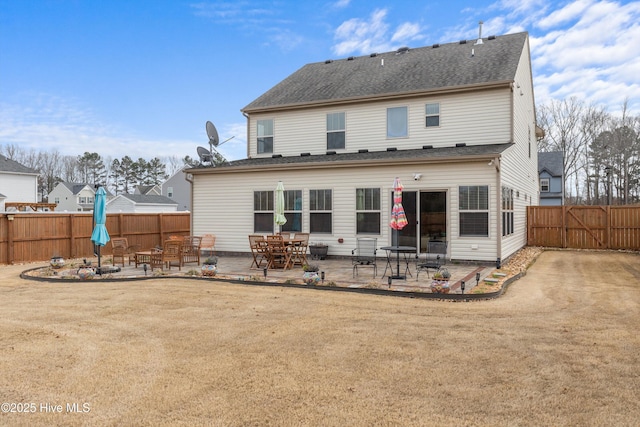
{"points": [[144, 267], [389, 280], [477, 278], [462, 286], [264, 271], [322, 276]]}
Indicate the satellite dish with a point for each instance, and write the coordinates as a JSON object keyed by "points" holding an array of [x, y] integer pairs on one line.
{"points": [[205, 155], [212, 133]]}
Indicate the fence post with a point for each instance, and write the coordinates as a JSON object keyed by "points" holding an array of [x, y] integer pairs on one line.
{"points": [[9, 239]]}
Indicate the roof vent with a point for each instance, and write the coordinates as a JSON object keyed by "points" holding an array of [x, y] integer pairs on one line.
{"points": [[492, 37], [351, 58], [363, 150], [461, 144], [403, 49], [305, 154], [463, 42], [330, 153], [328, 61], [435, 46], [392, 149], [373, 55], [479, 41], [427, 147], [276, 156]]}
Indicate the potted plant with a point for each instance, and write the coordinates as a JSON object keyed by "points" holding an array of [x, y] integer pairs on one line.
{"points": [[210, 266], [440, 284], [310, 275], [318, 250], [86, 271], [56, 261]]}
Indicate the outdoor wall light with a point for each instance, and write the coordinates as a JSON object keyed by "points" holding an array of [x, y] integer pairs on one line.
{"points": [[477, 278], [462, 286]]}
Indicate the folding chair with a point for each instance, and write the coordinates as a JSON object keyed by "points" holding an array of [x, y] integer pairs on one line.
{"points": [[435, 258], [364, 255]]}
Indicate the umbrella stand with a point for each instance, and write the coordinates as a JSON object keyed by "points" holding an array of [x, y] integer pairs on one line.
{"points": [[398, 276]]}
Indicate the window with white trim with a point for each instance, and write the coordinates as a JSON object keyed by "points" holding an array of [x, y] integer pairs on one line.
{"points": [[507, 211], [265, 136], [432, 115], [263, 211], [320, 211], [293, 210], [544, 185], [170, 192], [368, 211], [336, 131], [397, 122], [474, 210]]}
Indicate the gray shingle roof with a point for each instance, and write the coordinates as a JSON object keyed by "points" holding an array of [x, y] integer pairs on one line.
{"points": [[149, 198], [552, 162], [426, 154], [8, 165], [417, 70]]}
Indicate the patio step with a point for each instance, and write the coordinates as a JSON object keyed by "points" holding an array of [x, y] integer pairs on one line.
{"points": [[491, 280], [499, 275]]}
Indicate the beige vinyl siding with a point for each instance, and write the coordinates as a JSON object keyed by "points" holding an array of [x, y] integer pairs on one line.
{"points": [[223, 203], [519, 170], [481, 117]]}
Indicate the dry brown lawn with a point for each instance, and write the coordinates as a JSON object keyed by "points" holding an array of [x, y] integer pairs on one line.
{"points": [[560, 347]]}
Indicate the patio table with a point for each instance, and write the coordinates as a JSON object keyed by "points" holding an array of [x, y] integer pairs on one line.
{"points": [[397, 250]]}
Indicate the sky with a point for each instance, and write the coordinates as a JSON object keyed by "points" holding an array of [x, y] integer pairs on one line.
{"points": [[140, 78]]}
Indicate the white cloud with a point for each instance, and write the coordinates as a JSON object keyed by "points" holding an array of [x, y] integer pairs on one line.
{"points": [[372, 35]]}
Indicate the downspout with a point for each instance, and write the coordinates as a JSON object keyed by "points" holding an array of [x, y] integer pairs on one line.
{"points": [[248, 125], [496, 163], [189, 178]]}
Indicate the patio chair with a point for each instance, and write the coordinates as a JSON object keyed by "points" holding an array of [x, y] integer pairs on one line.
{"points": [[172, 253], [301, 247], [279, 254], [191, 250], [121, 249], [208, 244], [259, 251], [364, 255], [434, 259]]}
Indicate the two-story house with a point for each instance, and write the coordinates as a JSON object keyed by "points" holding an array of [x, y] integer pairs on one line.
{"points": [[551, 172], [73, 197], [18, 183], [178, 189], [455, 122]]}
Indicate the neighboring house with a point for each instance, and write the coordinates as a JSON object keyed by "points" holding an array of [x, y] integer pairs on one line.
{"points": [[551, 172], [141, 203], [178, 189], [148, 190], [455, 122], [73, 197], [18, 183]]}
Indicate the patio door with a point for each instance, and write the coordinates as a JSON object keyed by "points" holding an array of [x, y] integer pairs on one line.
{"points": [[426, 213]]}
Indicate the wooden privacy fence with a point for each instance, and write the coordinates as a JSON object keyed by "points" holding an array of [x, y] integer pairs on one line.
{"points": [[584, 227], [28, 237]]}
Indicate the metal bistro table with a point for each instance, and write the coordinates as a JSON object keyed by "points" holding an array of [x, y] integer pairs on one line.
{"points": [[397, 250]]}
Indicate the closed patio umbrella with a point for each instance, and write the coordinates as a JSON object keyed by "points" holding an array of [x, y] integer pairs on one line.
{"points": [[279, 217], [100, 236], [398, 218]]}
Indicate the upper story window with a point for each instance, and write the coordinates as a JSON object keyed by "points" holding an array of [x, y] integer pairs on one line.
{"points": [[170, 192], [335, 131], [265, 136], [397, 122], [432, 112], [544, 185]]}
